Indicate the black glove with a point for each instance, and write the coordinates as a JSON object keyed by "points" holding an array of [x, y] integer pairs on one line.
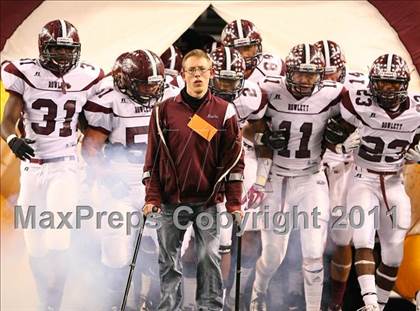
{"points": [[21, 148], [335, 133], [277, 140]]}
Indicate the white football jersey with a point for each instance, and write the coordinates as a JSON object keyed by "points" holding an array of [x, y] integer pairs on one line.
{"points": [[124, 120], [304, 121], [270, 65], [51, 110], [385, 139], [251, 103], [352, 80]]}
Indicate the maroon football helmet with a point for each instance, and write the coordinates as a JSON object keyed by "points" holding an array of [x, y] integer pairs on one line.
{"points": [[307, 61], [212, 46], [229, 68], [59, 46], [334, 58], [389, 69], [241, 33], [140, 75], [172, 60]]}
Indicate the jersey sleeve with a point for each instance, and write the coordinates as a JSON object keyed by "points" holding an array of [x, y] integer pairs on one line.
{"points": [[259, 113], [95, 86], [12, 78], [335, 103], [348, 112], [98, 110]]}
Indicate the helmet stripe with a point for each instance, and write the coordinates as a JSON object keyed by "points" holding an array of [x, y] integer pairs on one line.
{"points": [[389, 62], [240, 30], [63, 28], [307, 54], [326, 53], [228, 59], [152, 61], [173, 58]]}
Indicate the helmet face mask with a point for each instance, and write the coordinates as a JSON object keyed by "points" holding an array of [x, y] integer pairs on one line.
{"points": [[388, 94], [59, 47], [303, 83], [229, 67], [252, 55], [228, 86], [389, 77], [140, 76], [305, 70]]}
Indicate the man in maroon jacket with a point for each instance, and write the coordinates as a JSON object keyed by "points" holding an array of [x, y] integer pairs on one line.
{"points": [[194, 156]]}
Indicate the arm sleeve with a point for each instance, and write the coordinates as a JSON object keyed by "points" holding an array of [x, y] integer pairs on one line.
{"points": [[12, 78], [260, 112], [98, 111], [348, 112], [151, 166], [233, 147]]}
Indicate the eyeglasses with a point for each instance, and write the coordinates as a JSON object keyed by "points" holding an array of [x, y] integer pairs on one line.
{"points": [[200, 70]]}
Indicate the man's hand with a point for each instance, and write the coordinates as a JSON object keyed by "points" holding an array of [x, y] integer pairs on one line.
{"points": [[21, 148], [150, 208], [255, 195], [238, 215], [413, 154], [277, 140], [351, 143]]}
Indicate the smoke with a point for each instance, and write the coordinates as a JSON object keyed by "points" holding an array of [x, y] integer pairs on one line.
{"points": [[86, 287]]}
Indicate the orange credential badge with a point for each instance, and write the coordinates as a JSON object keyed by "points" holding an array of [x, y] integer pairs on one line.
{"points": [[202, 127]]}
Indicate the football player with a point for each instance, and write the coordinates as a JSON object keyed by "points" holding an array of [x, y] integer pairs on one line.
{"points": [[338, 171], [296, 189], [172, 60], [242, 35], [249, 101], [387, 119], [119, 115], [48, 93]]}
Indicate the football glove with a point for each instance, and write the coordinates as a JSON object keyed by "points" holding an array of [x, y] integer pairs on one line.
{"points": [[21, 148], [276, 140], [335, 133], [413, 154], [255, 195], [352, 142]]}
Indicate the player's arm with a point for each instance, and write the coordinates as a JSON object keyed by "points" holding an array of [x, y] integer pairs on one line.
{"points": [[12, 112], [254, 131], [82, 123], [92, 144], [341, 133], [340, 136]]}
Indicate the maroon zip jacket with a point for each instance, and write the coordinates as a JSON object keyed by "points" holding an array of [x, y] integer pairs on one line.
{"points": [[183, 167]]}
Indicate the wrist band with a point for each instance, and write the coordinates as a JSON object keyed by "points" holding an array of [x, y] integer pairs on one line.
{"points": [[10, 137], [263, 169]]}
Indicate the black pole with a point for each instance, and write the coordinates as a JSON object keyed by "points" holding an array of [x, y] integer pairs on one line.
{"points": [[133, 264], [238, 269]]}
